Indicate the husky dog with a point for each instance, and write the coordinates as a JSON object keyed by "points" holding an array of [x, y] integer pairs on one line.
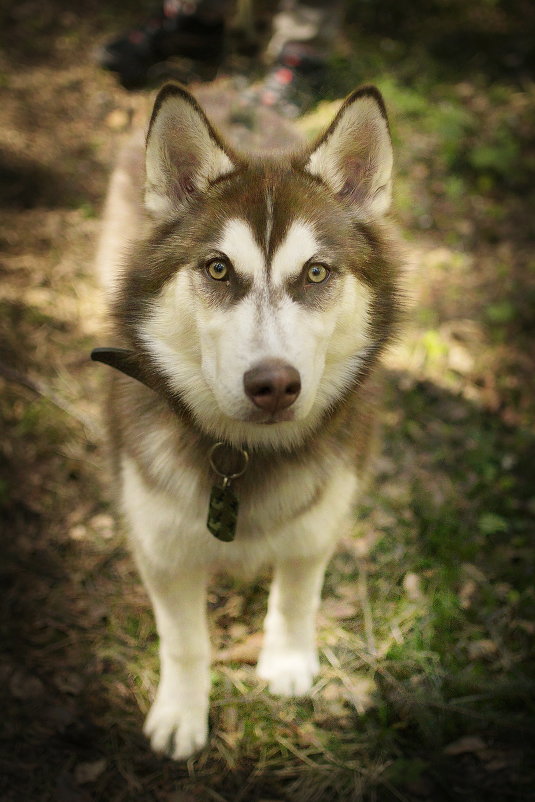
{"points": [[253, 310]]}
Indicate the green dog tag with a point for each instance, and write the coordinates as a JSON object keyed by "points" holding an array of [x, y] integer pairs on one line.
{"points": [[223, 506], [223, 513]]}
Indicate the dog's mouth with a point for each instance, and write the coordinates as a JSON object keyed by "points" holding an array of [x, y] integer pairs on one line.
{"points": [[281, 416]]}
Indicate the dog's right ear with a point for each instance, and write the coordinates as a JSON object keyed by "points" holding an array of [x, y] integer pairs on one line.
{"points": [[184, 153]]}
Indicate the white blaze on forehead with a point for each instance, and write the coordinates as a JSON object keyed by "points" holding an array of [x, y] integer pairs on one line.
{"points": [[238, 243], [299, 245]]}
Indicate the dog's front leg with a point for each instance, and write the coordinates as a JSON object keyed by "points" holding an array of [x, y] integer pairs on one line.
{"points": [[289, 657], [177, 723]]}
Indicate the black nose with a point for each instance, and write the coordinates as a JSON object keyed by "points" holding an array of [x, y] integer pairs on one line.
{"points": [[272, 385]]}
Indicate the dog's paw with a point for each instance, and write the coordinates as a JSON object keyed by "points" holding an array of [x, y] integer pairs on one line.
{"points": [[177, 733], [289, 673]]}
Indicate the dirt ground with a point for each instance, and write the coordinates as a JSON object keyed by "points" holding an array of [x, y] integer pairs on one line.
{"points": [[426, 691]]}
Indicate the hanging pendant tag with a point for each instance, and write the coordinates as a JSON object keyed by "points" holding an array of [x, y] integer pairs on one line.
{"points": [[223, 512], [223, 506]]}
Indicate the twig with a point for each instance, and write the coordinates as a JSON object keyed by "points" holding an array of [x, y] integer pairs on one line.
{"points": [[366, 610], [41, 389], [18, 378], [295, 751]]}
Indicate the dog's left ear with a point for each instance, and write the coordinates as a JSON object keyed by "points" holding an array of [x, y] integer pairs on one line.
{"points": [[354, 155], [184, 153]]}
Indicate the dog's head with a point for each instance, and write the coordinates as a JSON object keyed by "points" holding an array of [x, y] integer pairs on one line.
{"points": [[263, 293]]}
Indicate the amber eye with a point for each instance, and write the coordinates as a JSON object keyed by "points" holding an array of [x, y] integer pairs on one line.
{"points": [[217, 269], [317, 273]]}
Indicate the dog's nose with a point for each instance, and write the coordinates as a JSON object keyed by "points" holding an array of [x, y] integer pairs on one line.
{"points": [[272, 385]]}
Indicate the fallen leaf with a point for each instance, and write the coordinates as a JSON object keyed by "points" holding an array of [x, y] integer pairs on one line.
{"points": [[467, 593], [347, 591], [460, 359], [481, 648], [78, 532], [245, 652], [363, 545], [473, 572], [413, 587], [334, 691], [438, 257], [497, 764], [117, 119], [102, 524], [383, 519], [339, 609], [69, 683], [237, 631], [526, 626], [465, 745], [360, 692], [231, 730], [490, 524], [90, 771], [307, 735]]}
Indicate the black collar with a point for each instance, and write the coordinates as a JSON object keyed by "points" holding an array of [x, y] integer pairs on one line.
{"points": [[123, 360]]}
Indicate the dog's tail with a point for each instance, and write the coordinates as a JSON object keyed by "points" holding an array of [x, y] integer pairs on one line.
{"points": [[122, 218]]}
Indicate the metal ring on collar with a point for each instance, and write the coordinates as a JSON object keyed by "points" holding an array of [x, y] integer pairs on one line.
{"points": [[242, 451]]}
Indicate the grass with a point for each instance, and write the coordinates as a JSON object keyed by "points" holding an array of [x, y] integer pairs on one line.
{"points": [[426, 630]]}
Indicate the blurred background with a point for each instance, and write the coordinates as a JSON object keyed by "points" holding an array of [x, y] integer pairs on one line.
{"points": [[426, 632]]}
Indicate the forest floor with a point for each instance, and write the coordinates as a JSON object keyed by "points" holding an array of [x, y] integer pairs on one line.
{"points": [[426, 689]]}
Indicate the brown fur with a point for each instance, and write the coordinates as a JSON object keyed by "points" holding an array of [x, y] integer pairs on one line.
{"points": [[297, 493], [368, 253]]}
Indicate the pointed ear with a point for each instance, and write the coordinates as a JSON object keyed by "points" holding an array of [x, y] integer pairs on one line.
{"points": [[184, 153], [354, 155]]}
